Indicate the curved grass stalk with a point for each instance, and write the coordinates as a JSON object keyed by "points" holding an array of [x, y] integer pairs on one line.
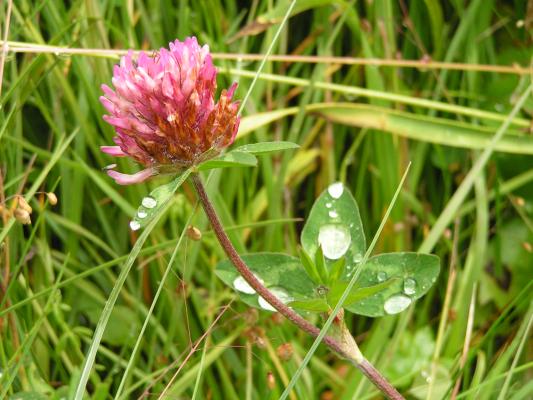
{"points": [[409, 125], [381, 95], [113, 296], [152, 306]]}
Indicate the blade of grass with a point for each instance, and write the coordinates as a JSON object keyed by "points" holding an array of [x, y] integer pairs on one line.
{"points": [[466, 185], [265, 57], [108, 308], [152, 306], [409, 125], [382, 95], [518, 353]]}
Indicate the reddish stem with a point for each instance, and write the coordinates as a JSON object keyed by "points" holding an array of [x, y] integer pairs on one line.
{"points": [[365, 366]]}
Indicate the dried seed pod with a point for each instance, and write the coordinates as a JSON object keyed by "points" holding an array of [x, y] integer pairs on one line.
{"points": [[285, 351], [52, 198], [22, 216], [251, 316], [277, 318], [271, 380], [23, 204], [194, 233]]}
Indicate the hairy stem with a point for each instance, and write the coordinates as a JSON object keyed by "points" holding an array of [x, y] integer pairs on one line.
{"points": [[345, 348]]}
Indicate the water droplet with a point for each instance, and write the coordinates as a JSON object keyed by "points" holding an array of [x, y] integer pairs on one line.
{"points": [[322, 290], [333, 214], [149, 202], [335, 240], [357, 258], [328, 205], [335, 190], [135, 225], [382, 276], [396, 303], [280, 293], [409, 286], [242, 286], [141, 214]]}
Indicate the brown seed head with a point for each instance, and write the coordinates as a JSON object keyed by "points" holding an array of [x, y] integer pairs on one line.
{"points": [[285, 351], [22, 203], [52, 198], [22, 216], [194, 233]]}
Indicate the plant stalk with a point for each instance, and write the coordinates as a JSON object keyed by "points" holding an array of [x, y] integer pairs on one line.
{"points": [[346, 348]]}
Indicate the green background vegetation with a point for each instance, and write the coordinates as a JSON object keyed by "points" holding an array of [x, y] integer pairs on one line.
{"points": [[471, 329]]}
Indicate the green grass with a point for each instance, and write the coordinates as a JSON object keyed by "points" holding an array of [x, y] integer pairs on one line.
{"points": [[467, 198]]}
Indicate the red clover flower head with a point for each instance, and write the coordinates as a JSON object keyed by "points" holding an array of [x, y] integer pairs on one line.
{"points": [[164, 113]]}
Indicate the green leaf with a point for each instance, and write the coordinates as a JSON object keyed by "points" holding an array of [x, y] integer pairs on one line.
{"points": [[423, 128], [267, 147], [252, 123], [309, 266], [438, 130], [151, 204], [280, 273], [357, 293], [334, 225], [313, 305], [336, 270], [320, 263], [228, 160], [28, 396], [412, 275]]}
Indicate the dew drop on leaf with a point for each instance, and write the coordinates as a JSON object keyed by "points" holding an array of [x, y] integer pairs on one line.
{"points": [[328, 205], [280, 293], [134, 225], [409, 286], [382, 276], [335, 240], [396, 303], [149, 202], [242, 286], [333, 214], [141, 214], [335, 190], [357, 258]]}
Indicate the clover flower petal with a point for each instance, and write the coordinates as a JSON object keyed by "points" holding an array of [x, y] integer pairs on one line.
{"points": [[164, 111]]}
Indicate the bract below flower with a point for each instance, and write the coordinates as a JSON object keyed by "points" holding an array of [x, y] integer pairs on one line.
{"points": [[164, 113]]}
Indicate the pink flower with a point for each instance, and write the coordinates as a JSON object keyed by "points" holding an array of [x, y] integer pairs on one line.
{"points": [[164, 112]]}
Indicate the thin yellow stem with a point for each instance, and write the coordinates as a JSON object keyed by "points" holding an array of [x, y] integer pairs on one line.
{"points": [[423, 64]]}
